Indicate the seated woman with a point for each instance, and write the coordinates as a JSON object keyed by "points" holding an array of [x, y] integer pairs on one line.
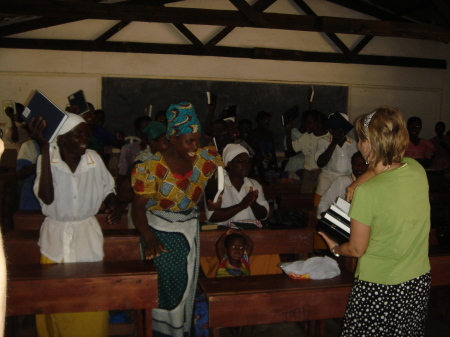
{"points": [[242, 199]]}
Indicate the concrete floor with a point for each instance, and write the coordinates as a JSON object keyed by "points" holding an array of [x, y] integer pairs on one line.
{"points": [[435, 328]]}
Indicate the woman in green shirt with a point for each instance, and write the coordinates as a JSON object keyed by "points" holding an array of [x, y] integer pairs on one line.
{"points": [[390, 223]]}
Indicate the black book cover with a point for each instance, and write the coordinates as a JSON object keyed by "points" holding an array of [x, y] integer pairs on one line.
{"points": [[290, 115], [338, 217], [333, 231], [337, 121], [41, 106], [215, 185], [222, 140], [77, 99]]}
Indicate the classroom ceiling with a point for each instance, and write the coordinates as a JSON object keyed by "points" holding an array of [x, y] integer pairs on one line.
{"points": [[409, 19]]}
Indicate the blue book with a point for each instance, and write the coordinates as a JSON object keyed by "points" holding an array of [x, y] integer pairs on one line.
{"points": [[77, 99], [40, 106]]}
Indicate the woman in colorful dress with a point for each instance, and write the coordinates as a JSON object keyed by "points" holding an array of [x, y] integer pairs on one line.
{"points": [[167, 188]]}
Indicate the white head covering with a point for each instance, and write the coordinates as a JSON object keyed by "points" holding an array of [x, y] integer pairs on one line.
{"points": [[72, 121], [232, 150]]}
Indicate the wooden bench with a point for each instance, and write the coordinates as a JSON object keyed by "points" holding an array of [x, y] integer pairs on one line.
{"points": [[269, 299], [21, 246], [266, 241], [32, 220], [78, 287]]}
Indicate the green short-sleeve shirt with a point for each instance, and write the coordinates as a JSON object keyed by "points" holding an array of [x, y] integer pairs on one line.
{"points": [[395, 204]]}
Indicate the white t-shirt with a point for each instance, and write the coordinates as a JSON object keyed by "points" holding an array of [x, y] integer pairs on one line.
{"points": [[340, 161], [71, 231], [337, 189], [296, 162], [307, 144], [231, 197]]}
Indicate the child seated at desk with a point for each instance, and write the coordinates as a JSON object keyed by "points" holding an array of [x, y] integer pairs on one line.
{"points": [[233, 251]]}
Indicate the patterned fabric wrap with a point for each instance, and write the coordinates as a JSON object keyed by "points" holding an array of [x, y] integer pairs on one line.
{"points": [[177, 270], [227, 270], [181, 119], [154, 180]]}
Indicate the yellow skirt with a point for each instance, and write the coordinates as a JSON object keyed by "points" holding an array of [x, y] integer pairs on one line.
{"points": [[74, 324]]}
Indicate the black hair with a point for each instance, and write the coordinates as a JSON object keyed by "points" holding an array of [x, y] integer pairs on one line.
{"points": [[159, 113], [356, 154], [138, 121], [233, 236], [440, 122], [90, 105], [19, 108], [262, 114], [414, 119]]}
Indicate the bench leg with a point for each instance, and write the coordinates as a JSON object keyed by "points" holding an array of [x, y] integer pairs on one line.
{"points": [[215, 332], [316, 328], [148, 322]]}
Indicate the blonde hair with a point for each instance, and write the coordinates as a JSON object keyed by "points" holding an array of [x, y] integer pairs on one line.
{"points": [[386, 131]]}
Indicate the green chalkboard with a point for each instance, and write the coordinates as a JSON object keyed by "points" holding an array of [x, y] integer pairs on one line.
{"points": [[124, 99]]}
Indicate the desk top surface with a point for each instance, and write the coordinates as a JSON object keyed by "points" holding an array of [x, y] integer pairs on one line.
{"points": [[27, 272], [231, 286]]}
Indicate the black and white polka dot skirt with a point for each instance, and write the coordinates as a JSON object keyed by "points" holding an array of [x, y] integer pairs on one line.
{"points": [[387, 310]]}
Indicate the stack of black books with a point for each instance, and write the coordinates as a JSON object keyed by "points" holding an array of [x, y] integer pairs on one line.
{"points": [[336, 222]]}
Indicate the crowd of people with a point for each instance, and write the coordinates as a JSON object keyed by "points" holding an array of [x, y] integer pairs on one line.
{"points": [[161, 179]]}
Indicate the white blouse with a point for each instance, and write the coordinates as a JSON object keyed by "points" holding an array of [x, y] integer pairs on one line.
{"points": [[71, 232]]}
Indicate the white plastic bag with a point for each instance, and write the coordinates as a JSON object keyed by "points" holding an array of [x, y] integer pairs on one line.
{"points": [[315, 268]]}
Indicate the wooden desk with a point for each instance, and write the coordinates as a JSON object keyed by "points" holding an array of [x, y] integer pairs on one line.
{"points": [[269, 299], [78, 287], [21, 247]]}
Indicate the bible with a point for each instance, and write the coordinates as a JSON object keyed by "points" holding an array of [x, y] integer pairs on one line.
{"points": [[215, 185], [336, 222], [40, 106]]}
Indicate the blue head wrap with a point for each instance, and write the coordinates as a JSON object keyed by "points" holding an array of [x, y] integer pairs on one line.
{"points": [[181, 119]]}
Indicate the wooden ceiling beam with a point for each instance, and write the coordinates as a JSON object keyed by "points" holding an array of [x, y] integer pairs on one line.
{"points": [[333, 37], [260, 6], [113, 30], [32, 24], [252, 53], [443, 8], [370, 10], [121, 11]]}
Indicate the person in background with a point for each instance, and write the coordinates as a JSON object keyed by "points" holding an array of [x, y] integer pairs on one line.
{"points": [[168, 187], [242, 199], [441, 143], [418, 148], [307, 144], [333, 156], [264, 146], [26, 171], [71, 184], [233, 250], [296, 160], [105, 139], [389, 233], [17, 133], [157, 140], [338, 187], [129, 151], [161, 117]]}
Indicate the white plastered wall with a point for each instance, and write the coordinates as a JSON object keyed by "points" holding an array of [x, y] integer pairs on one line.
{"points": [[416, 91]]}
